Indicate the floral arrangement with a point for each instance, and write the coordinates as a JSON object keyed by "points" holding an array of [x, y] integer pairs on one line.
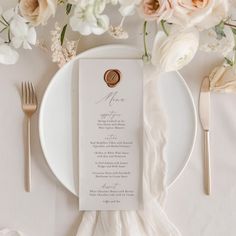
{"points": [[184, 27]]}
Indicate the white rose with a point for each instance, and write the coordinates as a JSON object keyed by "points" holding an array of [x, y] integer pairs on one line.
{"points": [[205, 13], [8, 56], [175, 51], [156, 10], [37, 11]]}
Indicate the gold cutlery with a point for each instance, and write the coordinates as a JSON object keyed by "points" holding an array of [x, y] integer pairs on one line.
{"points": [[204, 114], [29, 106]]}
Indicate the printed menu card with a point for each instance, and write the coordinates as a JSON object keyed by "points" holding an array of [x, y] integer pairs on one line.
{"points": [[110, 134]]}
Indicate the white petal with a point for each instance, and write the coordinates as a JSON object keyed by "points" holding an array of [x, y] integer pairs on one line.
{"points": [[26, 45], [8, 56], [18, 27], [8, 14], [159, 40], [17, 42], [102, 25], [127, 10], [80, 26], [99, 6], [32, 36]]}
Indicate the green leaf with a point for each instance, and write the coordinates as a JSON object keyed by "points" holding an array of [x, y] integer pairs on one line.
{"points": [[219, 29], [63, 32], [68, 8], [228, 61], [233, 30]]}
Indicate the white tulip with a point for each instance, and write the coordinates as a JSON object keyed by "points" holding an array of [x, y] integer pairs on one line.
{"points": [[175, 51], [8, 56]]}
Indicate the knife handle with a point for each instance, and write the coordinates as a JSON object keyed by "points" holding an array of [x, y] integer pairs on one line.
{"points": [[207, 163]]}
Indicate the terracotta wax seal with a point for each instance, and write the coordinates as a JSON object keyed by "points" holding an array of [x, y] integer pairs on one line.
{"points": [[112, 77]]}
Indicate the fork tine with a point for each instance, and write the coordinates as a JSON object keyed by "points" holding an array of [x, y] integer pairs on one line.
{"points": [[34, 94], [22, 92], [30, 93], [26, 93]]}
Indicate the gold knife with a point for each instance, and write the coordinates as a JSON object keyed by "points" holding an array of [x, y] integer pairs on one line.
{"points": [[204, 114]]}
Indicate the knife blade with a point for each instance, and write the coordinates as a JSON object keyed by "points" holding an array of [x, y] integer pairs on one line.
{"points": [[204, 104], [204, 114]]}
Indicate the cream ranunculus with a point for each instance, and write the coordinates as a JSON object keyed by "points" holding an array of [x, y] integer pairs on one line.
{"points": [[156, 9], [192, 12], [37, 11], [175, 51]]}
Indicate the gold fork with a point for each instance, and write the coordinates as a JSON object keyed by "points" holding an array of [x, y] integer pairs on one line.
{"points": [[29, 106]]}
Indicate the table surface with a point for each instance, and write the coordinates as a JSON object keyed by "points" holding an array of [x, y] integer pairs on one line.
{"points": [[51, 210]]}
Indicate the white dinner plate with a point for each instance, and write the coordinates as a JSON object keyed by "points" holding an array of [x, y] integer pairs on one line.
{"points": [[58, 121]]}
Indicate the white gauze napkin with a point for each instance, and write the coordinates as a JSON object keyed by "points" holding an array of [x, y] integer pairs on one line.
{"points": [[151, 220], [10, 232]]}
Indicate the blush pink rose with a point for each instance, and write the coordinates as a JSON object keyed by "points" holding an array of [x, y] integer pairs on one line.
{"points": [[37, 11], [156, 9], [202, 13]]}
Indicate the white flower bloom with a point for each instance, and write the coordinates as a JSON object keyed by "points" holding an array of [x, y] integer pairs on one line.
{"points": [[128, 7], [210, 43], [22, 33], [175, 51], [223, 79], [8, 56], [87, 18]]}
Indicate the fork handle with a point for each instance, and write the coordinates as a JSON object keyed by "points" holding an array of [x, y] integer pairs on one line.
{"points": [[28, 159], [207, 164]]}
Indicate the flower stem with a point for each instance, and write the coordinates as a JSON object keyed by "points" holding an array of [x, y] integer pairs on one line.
{"points": [[231, 25], [122, 21], [3, 23], [9, 35], [3, 29], [6, 23], [146, 56], [164, 27]]}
